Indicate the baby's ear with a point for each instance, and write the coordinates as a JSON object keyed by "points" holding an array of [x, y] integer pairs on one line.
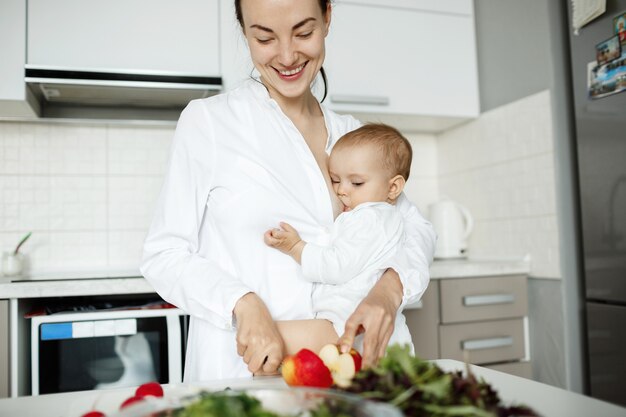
{"points": [[396, 185]]}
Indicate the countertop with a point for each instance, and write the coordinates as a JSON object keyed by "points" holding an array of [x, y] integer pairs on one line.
{"points": [[128, 282], [466, 268], [547, 400]]}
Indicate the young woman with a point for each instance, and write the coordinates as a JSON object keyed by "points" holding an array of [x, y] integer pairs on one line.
{"points": [[240, 163]]}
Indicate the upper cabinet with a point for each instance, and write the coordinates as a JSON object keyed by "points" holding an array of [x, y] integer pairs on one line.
{"points": [[161, 36], [409, 63], [15, 99]]}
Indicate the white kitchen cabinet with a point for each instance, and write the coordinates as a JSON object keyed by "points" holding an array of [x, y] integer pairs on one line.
{"points": [[412, 64], [235, 59], [15, 99], [162, 36]]}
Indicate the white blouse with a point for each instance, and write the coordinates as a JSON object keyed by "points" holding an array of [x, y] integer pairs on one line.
{"points": [[238, 166]]}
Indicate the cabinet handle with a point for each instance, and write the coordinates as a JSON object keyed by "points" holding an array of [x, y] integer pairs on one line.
{"points": [[494, 342], [487, 299], [370, 100]]}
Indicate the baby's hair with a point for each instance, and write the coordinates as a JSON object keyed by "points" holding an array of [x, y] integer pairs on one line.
{"points": [[395, 148]]}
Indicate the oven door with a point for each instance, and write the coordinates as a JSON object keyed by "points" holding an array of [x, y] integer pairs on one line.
{"points": [[100, 350]]}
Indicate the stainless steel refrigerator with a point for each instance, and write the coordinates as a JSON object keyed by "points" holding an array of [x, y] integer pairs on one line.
{"points": [[600, 140]]}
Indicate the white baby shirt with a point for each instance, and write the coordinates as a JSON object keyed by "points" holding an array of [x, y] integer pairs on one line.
{"points": [[344, 271]]}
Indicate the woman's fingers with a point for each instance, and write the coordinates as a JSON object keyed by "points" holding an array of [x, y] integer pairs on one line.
{"points": [[240, 349], [377, 323], [271, 364], [352, 329], [383, 347], [257, 334], [267, 358], [256, 361]]}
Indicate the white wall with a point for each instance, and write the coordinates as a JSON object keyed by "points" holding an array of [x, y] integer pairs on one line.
{"points": [[422, 186]]}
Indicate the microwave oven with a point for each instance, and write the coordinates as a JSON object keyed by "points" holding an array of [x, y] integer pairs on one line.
{"points": [[106, 349]]}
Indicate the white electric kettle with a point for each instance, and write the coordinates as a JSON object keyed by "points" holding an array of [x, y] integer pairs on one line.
{"points": [[453, 224]]}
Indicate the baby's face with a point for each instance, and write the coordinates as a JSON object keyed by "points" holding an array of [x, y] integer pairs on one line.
{"points": [[358, 176]]}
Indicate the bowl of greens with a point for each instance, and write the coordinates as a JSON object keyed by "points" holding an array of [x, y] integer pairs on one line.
{"points": [[262, 402]]}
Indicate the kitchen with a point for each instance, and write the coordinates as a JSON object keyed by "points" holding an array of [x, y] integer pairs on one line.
{"points": [[498, 142]]}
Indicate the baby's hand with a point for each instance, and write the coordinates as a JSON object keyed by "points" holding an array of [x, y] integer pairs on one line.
{"points": [[286, 239]]}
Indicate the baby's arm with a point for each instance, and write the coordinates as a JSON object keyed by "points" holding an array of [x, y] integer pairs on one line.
{"points": [[311, 334], [286, 239]]}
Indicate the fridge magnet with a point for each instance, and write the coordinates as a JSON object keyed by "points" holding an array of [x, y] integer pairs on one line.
{"points": [[619, 25], [608, 79], [608, 50]]}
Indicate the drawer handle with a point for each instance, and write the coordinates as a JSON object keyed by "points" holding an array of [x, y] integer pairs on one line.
{"points": [[488, 299], [370, 100], [494, 342]]}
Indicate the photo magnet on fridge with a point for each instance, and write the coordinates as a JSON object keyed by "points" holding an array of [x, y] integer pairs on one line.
{"points": [[608, 50], [608, 79], [619, 27]]}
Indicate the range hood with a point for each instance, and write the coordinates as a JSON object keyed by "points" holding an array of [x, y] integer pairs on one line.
{"points": [[77, 94]]}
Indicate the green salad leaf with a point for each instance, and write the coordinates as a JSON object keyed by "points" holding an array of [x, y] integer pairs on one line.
{"points": [[224, 404], [421, 388]]}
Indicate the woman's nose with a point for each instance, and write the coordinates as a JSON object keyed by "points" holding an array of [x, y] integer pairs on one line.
{"points": [[287, 54]]}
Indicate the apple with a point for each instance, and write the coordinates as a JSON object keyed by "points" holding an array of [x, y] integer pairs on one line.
{"points": [[94, 413], [305, 368], [130, 401], [356, 356], [343, 366], [149, 389]]}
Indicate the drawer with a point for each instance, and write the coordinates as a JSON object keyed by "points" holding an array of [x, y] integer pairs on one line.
{"points": [[521, 369], [423, 323], [471, 299], [486, 342]]}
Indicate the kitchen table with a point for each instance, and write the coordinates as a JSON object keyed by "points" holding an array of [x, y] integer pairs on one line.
{"points": [[549, 401]]}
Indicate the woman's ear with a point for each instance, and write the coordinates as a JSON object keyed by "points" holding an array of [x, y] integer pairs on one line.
{"points": [[327, 18], [396, 185]]}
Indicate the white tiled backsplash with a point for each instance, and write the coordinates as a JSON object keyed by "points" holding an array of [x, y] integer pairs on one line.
{"points": [[501, 166], [87, 191]]}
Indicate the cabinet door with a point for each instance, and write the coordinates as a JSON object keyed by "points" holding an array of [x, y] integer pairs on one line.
{"points": [[137, 35], [401, 61], [423, 323], [4, 348]]}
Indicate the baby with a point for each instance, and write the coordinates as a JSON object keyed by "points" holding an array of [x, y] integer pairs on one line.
{"points": [[368, 169]]}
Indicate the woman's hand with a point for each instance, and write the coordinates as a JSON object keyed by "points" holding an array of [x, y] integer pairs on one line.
{"points": [[258, 339], [375, 316]]}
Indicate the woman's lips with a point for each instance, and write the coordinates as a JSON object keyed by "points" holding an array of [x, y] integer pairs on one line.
{"points": [[292, 74]]}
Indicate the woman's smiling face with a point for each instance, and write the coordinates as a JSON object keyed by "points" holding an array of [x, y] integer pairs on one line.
{"points": [[286, 40]]}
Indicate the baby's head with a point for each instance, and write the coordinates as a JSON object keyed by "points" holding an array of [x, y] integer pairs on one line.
{"points": [[370, 164]]}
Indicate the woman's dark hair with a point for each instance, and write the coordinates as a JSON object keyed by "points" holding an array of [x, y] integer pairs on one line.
{"points": [[323, 6]]}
